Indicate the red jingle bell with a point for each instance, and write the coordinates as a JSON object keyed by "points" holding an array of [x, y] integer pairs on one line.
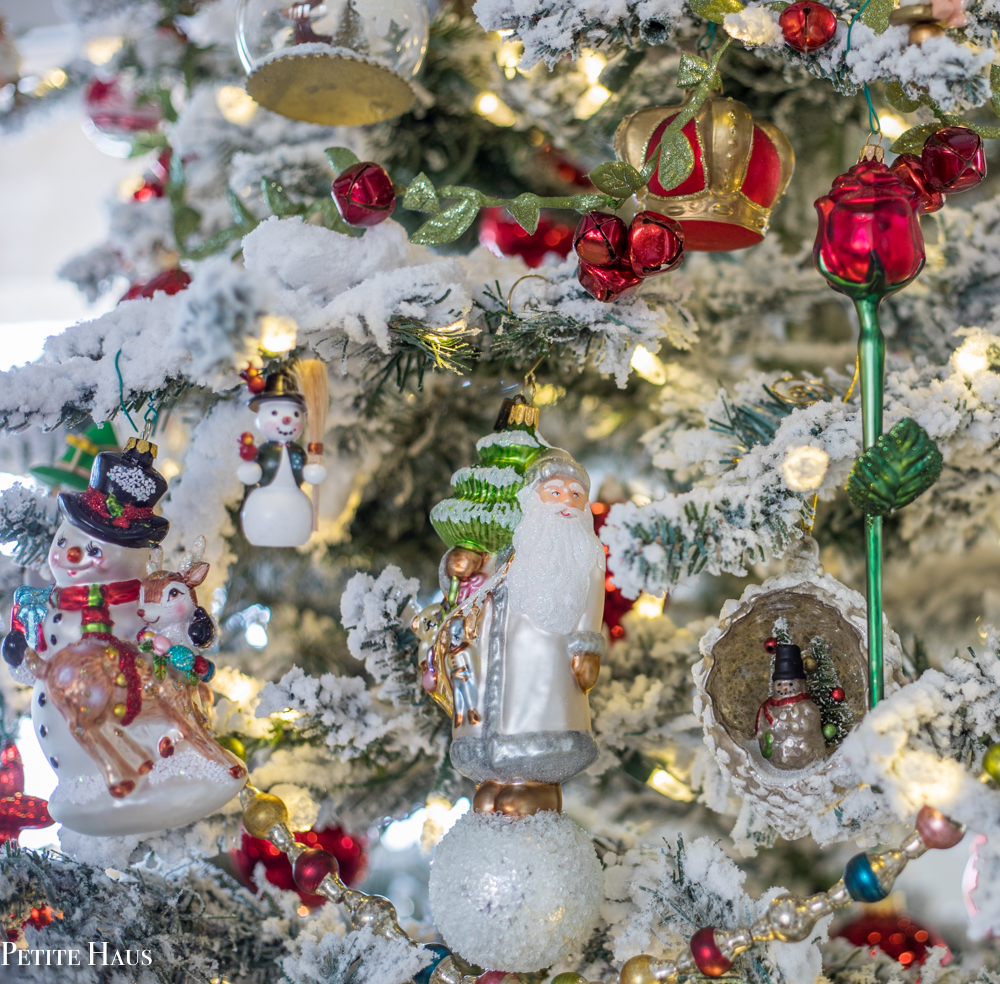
{"points": [[807, 26], [607, 283], [600, 239], [655, 244], [311, 867], [910, 170], [503, 236], [953, 159], [364, 194]]}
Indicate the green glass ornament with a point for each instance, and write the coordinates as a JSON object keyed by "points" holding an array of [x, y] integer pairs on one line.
{"points": [[991, 762], [829, 731]]}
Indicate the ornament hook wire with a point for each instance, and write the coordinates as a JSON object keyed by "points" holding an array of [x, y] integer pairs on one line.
{"points": [[527, 276], [121, 393]]}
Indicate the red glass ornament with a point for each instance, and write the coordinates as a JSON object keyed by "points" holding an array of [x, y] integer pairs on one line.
{"points": [[601, 239], [771, 645], [149, 189], [170, 282], [607, 283], [807, 25], [348, 849], [837, 695], [17, 811], [869, 237], [655, 244], [896, 935], [910, 170], [501, 235], [115, 111], [707, 954], [615, 603], [936, 830], [311, 867], [42, 916], [364, 194], [953, 159]]}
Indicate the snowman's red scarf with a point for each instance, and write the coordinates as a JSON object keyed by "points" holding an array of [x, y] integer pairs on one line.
{"points": [[95, 601], [777, 702]]}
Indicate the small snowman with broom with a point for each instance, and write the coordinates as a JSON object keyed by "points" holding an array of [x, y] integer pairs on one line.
{"points": [[276, 512]]}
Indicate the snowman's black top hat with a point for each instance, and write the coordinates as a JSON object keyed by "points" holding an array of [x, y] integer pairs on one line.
{"points": [[280, 385], [788, 663], [118, 505]]}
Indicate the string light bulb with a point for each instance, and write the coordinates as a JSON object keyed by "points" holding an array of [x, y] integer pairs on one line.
{"points": [[648, 365], [278, 333], [235, 105], [490, 105], [804, 467], [648, 606]]}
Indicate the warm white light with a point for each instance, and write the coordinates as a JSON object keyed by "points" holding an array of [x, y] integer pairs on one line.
{"points": [[892, 126], [455, 326], [590, 102], [302, 911], [235, 105], [648, 365], [804, 468], [663, 782], [489, 104], [277, 333], [127, 187], [101, 50], [592, 64], [55, 78], [256, 636], [506, 33], [969, 361], [648, 606], [508, 56]]}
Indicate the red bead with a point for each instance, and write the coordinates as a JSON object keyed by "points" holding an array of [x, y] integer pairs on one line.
{"points": [[311, 867], [364, 194], [936, 830], [502, 235], [953, 159], [248, 452], [607, 283], [910, 170], [771, 645], [869, 239], [149, 189], [655, 244], [807, 26], [707, 954], [600, 239], [837, 695]]}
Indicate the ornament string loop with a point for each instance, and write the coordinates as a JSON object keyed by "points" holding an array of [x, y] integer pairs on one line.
{"points": [[121, 393]]}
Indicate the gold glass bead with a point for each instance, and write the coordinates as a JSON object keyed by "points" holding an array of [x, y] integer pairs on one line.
{"points": [[838, 895], [761, 930], [888, 865], [120, 710], [665, 971], [685, 963], [819, 905], [913, 846], [789, 918], [262, 813], [120, 680], [734, 941], [281, 836], [638, 970]]}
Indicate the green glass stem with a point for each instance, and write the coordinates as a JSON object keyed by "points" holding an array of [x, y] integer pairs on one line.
{"points": [[871, 359]]}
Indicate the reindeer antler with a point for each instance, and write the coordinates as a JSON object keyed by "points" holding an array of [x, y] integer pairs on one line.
{"points": [[192, 556], [155, 562]]}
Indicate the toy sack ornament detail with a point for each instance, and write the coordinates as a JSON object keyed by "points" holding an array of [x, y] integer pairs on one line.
{"points": [[339, 63], [741, 168], [277, 513]]}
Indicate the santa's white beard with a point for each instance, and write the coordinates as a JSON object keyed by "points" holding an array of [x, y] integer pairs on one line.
{"points": [[554, 556]]}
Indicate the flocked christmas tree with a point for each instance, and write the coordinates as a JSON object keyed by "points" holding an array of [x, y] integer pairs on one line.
{"points": [[683, 342]]}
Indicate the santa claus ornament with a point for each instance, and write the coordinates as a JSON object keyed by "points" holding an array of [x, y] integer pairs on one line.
{"points": [[741, 168], [514, 885], [276, 512], [122, 724]]}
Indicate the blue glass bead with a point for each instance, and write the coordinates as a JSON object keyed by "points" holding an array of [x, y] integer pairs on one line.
{"points": [[862, 883], [439, 951], [209, 673]]}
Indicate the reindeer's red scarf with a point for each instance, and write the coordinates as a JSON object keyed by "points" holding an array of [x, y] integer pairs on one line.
{"points": [[777, 702]]}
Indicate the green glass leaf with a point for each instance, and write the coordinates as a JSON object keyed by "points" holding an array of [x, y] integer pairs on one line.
{"points": [[876, 14], [898, 99], [340, 158], [900, 466], [676, 158], [421, 196], [242, 216], [691, 70], [327, 208], [277, 201], [186, 222], [716, 10], [448, 225], [147, 140], [617, 178], [995, 88], [460, 191], [525, 210], [912, 141]]}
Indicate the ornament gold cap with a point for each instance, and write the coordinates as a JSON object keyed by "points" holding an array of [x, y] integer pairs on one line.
{"points": [[141, 445], [872, 152]]}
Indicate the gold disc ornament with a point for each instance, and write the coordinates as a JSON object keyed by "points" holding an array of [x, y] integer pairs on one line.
{"points": [[330, 89]]}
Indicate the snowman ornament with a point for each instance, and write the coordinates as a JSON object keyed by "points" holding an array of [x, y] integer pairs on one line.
{"points": [[98, 559], [277, 513]]}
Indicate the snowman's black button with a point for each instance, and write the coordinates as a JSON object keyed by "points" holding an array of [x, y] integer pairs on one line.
{"points": [[54, 761], [43, 731]]}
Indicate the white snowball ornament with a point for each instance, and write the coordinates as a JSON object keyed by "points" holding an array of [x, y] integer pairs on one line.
{"points": [[515, 893]]}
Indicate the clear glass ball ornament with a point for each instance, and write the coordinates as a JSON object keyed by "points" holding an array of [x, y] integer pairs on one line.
{"points": [[338, 62]]}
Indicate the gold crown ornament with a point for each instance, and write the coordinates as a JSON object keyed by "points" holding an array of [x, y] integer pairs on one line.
{"points": [[742, 166]]}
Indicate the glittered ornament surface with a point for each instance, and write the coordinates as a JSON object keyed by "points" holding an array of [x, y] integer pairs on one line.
{"points": [[17, 811]]}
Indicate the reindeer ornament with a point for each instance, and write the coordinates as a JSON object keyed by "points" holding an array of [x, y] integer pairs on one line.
{"points": [[124, 728]]}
